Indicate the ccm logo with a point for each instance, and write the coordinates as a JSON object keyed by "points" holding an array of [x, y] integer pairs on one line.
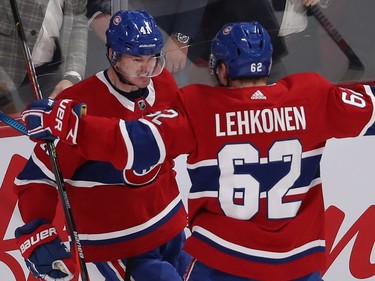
{"points": [[60, 115], [37, 238]]}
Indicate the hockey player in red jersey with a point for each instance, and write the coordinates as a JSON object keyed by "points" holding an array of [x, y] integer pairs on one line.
{"points": [[255, 206], [120, 213]]}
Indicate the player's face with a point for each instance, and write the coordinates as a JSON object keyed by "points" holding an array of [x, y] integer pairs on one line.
{"points": [[138, 70]]}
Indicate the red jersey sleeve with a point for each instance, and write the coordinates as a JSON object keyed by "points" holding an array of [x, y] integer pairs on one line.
{"points": [[136, 144], [346, 112]]}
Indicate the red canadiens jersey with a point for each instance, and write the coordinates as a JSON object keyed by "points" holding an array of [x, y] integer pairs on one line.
{"points": [[118, 213], [255, 205]]}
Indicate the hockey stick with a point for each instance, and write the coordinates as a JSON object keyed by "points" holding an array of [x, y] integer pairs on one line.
{"points": [[354, 61], [51, 147], [13, 123]]}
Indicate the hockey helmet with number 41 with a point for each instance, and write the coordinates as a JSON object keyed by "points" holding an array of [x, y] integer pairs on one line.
{"points": [[134, 33], [245, 48]]}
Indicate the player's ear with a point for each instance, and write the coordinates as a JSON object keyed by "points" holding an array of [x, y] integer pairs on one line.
{"points": [[221, 72]]}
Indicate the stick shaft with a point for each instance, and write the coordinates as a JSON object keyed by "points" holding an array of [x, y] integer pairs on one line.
{"points": [[26, 51], [72, 229], [13, 123], [354, 60]]}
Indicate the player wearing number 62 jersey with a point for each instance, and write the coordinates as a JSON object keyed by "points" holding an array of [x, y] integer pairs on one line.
{"points": [[256, 205]]}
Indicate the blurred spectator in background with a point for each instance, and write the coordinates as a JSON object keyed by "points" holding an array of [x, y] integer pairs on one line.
{"points": [[279, 17], [56, 33], [295, 12], [219, 12], [302, 34]]}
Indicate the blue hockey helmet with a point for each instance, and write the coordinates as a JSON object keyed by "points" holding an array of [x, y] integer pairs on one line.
{"points": [[245, 48], [135, 33]]}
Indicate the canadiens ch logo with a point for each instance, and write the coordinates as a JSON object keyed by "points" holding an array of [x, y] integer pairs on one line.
{"points": [[227, 30], [117, 20], [138, 178]]}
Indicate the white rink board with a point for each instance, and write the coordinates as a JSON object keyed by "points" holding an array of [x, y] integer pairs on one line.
{"points": [[348, 167]]}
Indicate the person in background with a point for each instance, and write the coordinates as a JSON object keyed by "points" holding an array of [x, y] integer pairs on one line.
{"points": [[303, 35], [56, 33], [256, 207], [295, 13], [219, 12], [270, 15], [179, 21], [130, 222]]}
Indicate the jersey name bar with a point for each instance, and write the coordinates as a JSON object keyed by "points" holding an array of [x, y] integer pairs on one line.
{"points": [[260, 121]]}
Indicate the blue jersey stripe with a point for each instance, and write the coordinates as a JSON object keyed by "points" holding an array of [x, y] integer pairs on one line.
{"points": [[254, 258], [124, 238]]}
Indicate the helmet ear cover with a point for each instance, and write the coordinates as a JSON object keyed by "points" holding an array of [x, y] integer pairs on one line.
{"points": [[113, 56], [245, 48]]}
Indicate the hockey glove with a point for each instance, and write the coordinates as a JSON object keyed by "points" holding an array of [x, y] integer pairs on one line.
{"points": [[45, 254], [48, 119]]}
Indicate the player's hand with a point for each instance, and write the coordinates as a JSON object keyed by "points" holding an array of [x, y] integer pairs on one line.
{"points": [[61, 86], [48, 119], [45, 254], [308, 3], [175, 54]]}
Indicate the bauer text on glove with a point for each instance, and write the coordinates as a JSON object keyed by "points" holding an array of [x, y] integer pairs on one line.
{"points": [[45, 254], [48, 119]]}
